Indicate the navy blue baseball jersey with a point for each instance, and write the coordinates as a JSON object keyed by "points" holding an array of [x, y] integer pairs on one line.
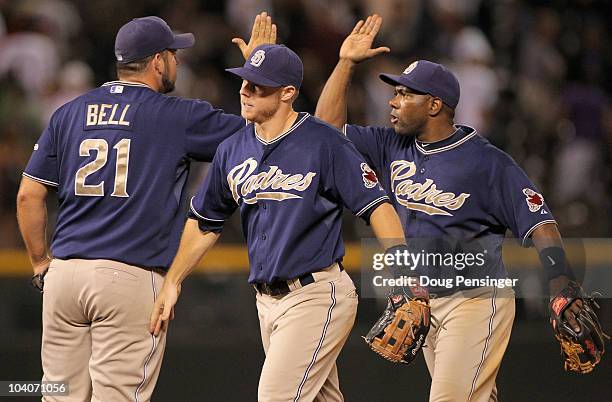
{"points": [[460, 189], [119, 156], [291, 192]]}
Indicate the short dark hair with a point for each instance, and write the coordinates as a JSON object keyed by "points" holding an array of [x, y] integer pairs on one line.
{"points": [[136, 66], [450, 112]]}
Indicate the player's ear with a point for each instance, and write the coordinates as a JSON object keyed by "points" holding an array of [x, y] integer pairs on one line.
{"points": [[157, 63], [289, 93], [435, 106]]}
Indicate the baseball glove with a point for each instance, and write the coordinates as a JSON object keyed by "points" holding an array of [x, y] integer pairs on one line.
{"points": [[400, 332], [38, 280], [582, 350]]}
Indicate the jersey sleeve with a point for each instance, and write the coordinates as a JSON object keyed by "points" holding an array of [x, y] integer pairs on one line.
{"points": [[213, 204], [206, 128], [43, 165], [353, 182], [370, 142], [521, 206]]}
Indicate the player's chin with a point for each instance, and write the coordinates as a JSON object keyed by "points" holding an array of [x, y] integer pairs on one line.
{"points": [[396, 126], [247, 112], [402, 130]]}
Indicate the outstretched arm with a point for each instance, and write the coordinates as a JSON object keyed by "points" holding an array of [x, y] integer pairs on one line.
{"points": [[264, 31], [194, 245], [356, 48]]}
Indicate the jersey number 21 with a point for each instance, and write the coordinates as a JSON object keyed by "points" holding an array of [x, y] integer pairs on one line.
{"points": [[121, 168]]}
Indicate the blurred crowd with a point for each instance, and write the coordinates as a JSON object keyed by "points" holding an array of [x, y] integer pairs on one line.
{"points": [[532, 74]]}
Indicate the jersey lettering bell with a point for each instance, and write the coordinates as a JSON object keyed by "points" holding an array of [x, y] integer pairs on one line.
{"points": [[105, 114]]}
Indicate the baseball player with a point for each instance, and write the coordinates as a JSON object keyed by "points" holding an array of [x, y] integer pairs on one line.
{"points": [[450, 184], [290, 175], [118, 157]]}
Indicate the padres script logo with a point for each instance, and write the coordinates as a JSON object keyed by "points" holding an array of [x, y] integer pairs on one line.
{"points": [[242, 182], [431, 199]]}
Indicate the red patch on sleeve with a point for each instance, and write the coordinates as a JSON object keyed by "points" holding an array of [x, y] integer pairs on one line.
{"points": [[368, 175], [534, 200]]}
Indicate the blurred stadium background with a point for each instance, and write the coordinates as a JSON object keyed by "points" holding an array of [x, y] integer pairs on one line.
{"points": [[535, 79]]}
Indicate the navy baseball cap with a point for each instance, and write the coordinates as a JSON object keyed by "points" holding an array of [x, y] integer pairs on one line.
{"points": [[143, 37], [272, 66], [430, 78]]}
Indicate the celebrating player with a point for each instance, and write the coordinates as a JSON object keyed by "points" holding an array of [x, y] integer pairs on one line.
{"points": [[448, 183], [290, 175], [118, 156]]}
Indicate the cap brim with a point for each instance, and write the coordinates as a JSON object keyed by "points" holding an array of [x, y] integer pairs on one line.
{"points": [[391, 79], [396, 80], [250, 75], [182, 41]]}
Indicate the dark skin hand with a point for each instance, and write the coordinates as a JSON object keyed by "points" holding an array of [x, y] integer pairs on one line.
{"points": [[548, 236]]}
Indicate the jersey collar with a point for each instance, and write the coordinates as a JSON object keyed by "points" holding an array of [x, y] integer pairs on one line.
{"points": [[301, 117], [461, 135], [127, 83]]}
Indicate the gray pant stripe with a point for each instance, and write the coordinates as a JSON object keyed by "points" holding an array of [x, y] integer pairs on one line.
{"points": [[144, 378], [484, 351], [314, 357]]}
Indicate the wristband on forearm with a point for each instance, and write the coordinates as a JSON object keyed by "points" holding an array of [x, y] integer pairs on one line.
{"points": [[398, 270], [402, 270], [554, 261]]}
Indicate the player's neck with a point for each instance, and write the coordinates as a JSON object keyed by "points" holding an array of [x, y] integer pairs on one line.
{"points": [[276, 125], [437, 131], [141, 79]]}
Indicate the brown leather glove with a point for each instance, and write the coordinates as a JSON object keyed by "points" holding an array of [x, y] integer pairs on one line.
{"points": [[584, 349], [399, 334]]}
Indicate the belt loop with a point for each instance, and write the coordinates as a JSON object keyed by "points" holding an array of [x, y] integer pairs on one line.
{"points": [[294, 284]]}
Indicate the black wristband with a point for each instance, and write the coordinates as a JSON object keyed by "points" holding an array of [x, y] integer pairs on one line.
{"points": [[397, 269], [554, 261], [401, 269]]}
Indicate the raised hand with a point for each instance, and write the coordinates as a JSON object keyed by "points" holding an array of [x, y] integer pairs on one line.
{"points": [[264, 31], [358, 45]]}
